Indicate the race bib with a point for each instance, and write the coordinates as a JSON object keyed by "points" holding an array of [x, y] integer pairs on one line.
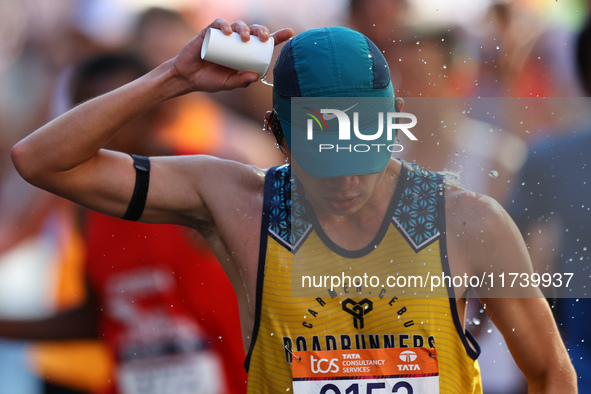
{"points": [[367, 371]]}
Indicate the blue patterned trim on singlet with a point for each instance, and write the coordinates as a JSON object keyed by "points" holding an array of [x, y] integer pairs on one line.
{"points": [[415, 212], [283, 197]]}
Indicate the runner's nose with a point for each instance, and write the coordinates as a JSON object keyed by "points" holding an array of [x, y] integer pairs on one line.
{"points": [[342, 182]]}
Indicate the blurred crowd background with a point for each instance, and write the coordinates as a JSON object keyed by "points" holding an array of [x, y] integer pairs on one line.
{"points": [[95, 305]]}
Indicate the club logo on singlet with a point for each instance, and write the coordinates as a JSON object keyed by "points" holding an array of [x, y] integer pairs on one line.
{"points": [[358, 310]]}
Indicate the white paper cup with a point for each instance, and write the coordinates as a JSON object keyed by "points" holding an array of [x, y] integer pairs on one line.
{"points": [[230, 51]]}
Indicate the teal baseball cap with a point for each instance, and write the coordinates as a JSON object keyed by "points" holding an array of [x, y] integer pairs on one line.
{"points": [[328, 69]]}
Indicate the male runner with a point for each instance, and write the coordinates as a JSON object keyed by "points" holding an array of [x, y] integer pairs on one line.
{"points": [[351, 210]]}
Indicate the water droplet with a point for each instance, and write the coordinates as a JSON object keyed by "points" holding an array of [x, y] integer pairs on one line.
{"points": [[493, 174]]}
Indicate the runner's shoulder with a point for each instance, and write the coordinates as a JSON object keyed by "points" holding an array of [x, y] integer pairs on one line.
{"points": [[470, 211]]}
